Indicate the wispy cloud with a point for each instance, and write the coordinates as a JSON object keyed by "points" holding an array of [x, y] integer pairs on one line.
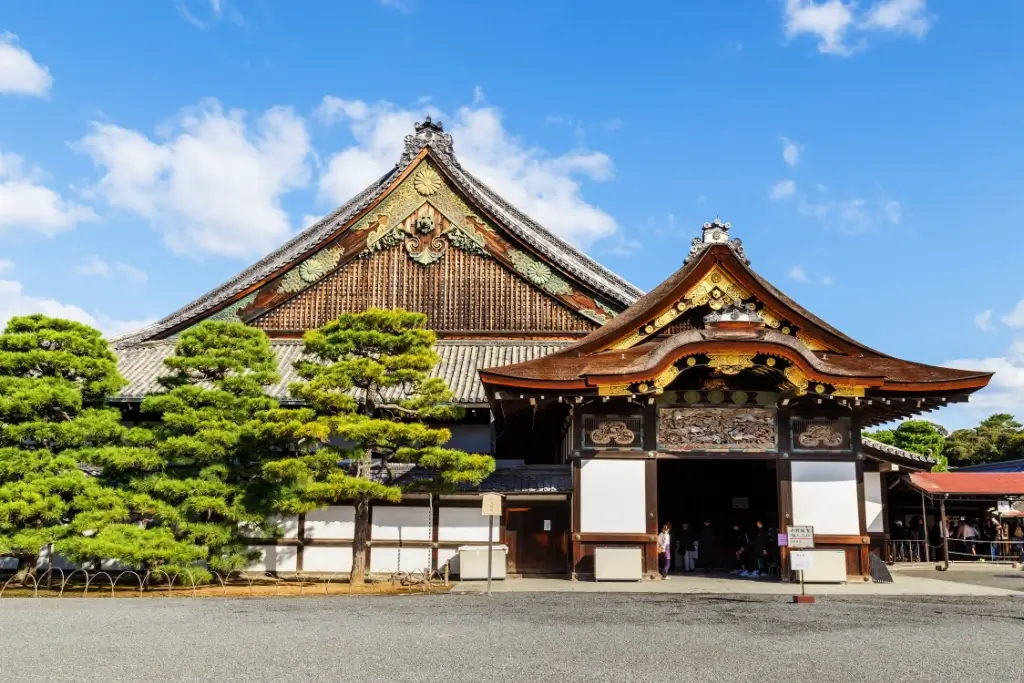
{"points": [[984, 321], [798, 273], [20, 74], [791, 151], [841, 29], [1015, 318], [97, 267], [6, 264], [782, 190]]}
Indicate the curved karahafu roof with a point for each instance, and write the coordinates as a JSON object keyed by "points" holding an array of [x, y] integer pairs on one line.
{"points": [[751, 325], [429, 138]]}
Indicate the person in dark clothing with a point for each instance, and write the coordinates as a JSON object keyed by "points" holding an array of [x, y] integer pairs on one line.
{"points": [[758, 561], [686, 547], [706, 547], [739, 547]]}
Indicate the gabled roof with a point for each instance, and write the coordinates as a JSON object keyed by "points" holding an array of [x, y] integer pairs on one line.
{"points": [[969, 483], [428, 140], [750, 324], [883, 451]]}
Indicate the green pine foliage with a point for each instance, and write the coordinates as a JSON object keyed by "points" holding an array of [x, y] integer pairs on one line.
{"points": [[207, 483], [368, 396], [55, 376]]}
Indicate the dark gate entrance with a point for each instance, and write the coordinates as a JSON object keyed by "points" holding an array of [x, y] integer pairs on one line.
{"points": [[537, 539]]}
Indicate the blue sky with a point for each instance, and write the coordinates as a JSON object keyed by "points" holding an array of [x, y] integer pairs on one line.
{"points": [[869, 155]]}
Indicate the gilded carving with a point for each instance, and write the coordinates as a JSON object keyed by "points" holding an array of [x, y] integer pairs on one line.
{"points": [[666, 377], [847, 390], [538, 273], [769, 318], [811, 343], [310, 270], [716, 429], [613, 390], [612, 432], [427, 181], [730, 363], [818, 435], [609, 311], [597, 317], [716, 289], [797, 378]]}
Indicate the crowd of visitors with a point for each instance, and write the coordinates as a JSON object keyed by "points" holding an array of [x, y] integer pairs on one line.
{"points": [[969, 538], [751, 552]]}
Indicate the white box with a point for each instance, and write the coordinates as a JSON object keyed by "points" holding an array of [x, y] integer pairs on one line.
{"points": [[473, 562], [829, 566], [618, 564]]}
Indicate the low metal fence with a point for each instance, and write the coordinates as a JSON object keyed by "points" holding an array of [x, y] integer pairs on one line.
{"points": [[907, 551]]}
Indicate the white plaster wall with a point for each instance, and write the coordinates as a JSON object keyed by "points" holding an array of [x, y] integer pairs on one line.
{"points": [[287, 524], [386, 560], [274, 558], [334, 522], [400, 523], [445, 556], [326, 560], [874, 510], [613, 496], [825, 497], [464, 524]]}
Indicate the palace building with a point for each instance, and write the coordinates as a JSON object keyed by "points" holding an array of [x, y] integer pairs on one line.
{"points": [[712, 397]]}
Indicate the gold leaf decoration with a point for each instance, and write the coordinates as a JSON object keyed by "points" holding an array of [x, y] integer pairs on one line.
{"points": [[310, 270], [730, 363], [609, 432], [797, 378], [427, 181]]}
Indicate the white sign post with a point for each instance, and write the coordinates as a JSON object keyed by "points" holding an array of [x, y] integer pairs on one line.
{"points": [[490, 507], [800, 538]]}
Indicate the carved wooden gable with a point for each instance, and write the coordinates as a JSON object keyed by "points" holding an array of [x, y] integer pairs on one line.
{"points": [[423, 247]]}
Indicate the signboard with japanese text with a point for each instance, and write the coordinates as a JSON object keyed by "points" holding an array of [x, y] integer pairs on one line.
{"points": [[800, 536]]}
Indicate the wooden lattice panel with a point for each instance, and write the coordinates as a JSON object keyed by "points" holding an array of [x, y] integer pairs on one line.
{"points": [[461, 292]]}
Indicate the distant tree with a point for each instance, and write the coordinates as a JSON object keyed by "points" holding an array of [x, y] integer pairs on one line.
{"points": [[207, 482], [917, 436], [55, 377], [998, 437], [368, 394]]}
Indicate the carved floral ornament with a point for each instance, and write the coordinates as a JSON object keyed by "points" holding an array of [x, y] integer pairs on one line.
{"points": [[820, 435], [311, 270], [608, 433]]}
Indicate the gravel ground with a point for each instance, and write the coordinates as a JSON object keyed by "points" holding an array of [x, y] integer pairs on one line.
{"points": [[521, 637]]}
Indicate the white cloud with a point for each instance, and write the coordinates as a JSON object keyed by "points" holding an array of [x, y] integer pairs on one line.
{"points": [[6, 264], [95, 266], [791, 151], [214, 184], [1015, 318], [984, 321], [782, 190], [14, 302], [478, 95], [900, 16], [835, 22], [133, 274], [797, 273], [309, 219], [828, 22], [545, 186], [1004, 394], [20, 74], [828, 281], [25, 203], [893, 211]]}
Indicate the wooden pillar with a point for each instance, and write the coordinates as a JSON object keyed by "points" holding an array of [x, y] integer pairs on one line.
{"points": [[944, 530], [785, 480], [300, 534], [576, 547], [651, 496]]}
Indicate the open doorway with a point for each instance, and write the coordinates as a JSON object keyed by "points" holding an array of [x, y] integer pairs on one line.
{"points": [[724, 492]]}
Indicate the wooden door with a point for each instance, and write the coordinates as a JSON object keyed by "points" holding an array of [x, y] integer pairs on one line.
{"points": [[538, 539]]}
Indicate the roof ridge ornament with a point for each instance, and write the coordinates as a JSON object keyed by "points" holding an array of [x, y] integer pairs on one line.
{"points": [[427, 134], [716, 232]]}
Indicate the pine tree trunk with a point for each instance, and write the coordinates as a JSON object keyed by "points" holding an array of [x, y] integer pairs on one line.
{"points": [[26, 574], [360, 537]]}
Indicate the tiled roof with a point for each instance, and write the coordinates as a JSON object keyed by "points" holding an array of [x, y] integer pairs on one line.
{"points": [[1002, 466], [431, 136], [898, 453], [970, 483], [143, 363]]}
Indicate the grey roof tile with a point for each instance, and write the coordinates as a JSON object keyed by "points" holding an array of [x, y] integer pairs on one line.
{"points": [[142, 364]]}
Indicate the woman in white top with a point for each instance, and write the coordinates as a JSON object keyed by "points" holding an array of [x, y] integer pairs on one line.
{"points": [[664, 551]]}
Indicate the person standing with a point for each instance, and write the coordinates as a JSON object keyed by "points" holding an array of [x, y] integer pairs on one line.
{"points": [[759, 549], [686, 547], [664, 551], [739, 545], [706, 547]]}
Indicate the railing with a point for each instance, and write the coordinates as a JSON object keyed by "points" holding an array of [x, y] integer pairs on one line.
{"points": [[905, 551], [971, 550]]}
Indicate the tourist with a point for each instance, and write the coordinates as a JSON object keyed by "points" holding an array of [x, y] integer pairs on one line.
{"points": [[759, 550], [686, 547], [664, 551], [739, 545]]}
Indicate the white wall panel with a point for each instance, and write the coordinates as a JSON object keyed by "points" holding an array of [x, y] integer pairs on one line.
{"points": [[318, 559], [400, 523], [335, 522], [464, 524], [384, 560], [825, 497], [446, 555], [274, 558], [288, 525], [873, 507], [613, 496]]}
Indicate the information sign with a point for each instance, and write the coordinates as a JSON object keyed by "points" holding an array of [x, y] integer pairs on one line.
{"points": [[491, 505], [800, 536], [801, 560]]}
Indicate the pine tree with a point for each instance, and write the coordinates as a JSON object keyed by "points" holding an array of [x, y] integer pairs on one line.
{"points": [[55, 377], [207, 447], [368, 393]]}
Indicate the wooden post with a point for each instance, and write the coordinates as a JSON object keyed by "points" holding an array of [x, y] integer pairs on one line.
{"points": [[924, 529], [490, 550], [944, 530]]}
